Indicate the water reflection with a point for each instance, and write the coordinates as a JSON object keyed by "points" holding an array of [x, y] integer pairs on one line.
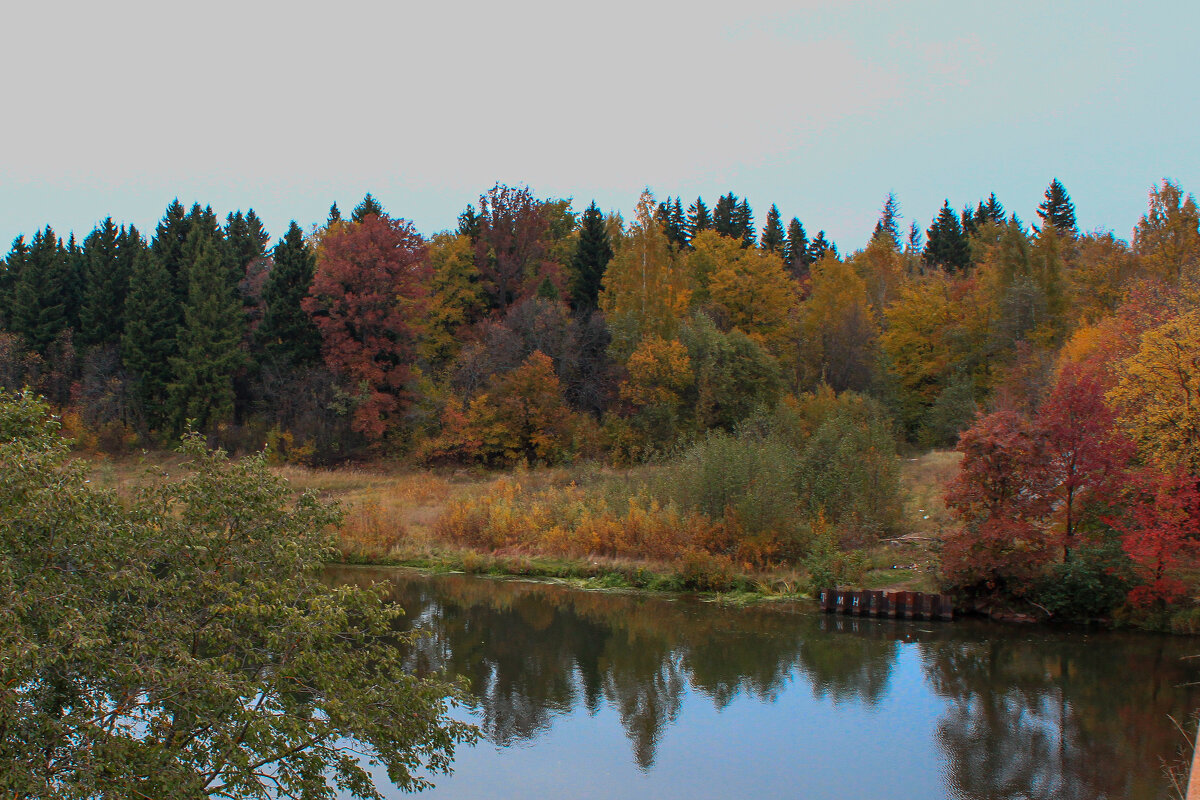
{"points": [[1019, 713]]}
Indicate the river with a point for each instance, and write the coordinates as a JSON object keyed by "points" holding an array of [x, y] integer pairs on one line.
{"points": [[586, 694]]}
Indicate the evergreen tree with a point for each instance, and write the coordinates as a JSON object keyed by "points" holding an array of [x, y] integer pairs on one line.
{"points": [[286, 332], [743, 220], [795, 250], [968, 221], [993, 211], [246, 240], [1058, 210], [167, 244], [698, 218], [725, 221], [819, 247], [39, 305], [10, 270], [592, 254], [106, 283], [151, 327], [335, 216], [677, 228], [946, 244], [209, 339], [468, 223], [772, 235], [888, 225], [74, 279], [369, 205]]}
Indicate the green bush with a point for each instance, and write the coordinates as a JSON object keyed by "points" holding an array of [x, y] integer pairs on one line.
{"points": [[1091, 584]]}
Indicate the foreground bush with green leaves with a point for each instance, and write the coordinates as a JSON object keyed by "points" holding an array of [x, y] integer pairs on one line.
{"points": [[183, 644]]}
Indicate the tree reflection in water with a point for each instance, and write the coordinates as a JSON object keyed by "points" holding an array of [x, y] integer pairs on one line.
{"points": [[1024, 713]]}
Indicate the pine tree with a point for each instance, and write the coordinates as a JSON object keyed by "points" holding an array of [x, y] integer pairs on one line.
{"points": [[151, 327], [106, 284], [993, 210], [286, 332], [887, 226], [698, 218], [335, 216], [1058, 210], [592, 254], [209, 339], [946, 244], [743, 220], [369, 205], [772, 235], [795, 250], [39, 304]]}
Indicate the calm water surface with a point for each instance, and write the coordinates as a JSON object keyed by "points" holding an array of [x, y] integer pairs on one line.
{"points": [[608, 695]]}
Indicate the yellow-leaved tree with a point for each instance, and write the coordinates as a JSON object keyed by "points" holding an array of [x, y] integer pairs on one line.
{"points": [[645, 291], [752, 292], [1167, 239], [837, 331], [1158, 394]]}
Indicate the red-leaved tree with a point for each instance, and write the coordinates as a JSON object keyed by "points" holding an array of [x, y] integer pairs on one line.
{"points": [[1085, 456], [1162, 534], [367, 298]]}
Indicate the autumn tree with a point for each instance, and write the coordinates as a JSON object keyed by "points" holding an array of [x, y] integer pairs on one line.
{"points": [[1167, 238], [659, 375], [367, 300], [837, 331], [456, 298], [510, 247], [752, 292], [644, 290], [1162, 535], [1157, 395]]}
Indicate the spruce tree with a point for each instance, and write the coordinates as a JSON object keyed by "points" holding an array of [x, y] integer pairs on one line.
{"points": [[468, 223], [725, 221], [946, 245], [39, 304], [819, 247], [106, 284], [592, 254], [993, 210], [1058, 210], [209, 345], [743, 220], [677, 227], [772, 235], [10, 270], [795, 250], [698, 218], [335, 216], [74, 277], [888, 226], [287, 333], [246, 240], [151, 327], [369, 205], [167, 244]]}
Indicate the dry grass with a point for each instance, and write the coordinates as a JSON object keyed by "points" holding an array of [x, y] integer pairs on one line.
{"points": [[923, 481]]}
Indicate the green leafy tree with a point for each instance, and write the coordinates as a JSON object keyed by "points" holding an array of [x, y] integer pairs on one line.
{"points": [[1057, 209], [772, 236], [182, 643], [209, 341], [592, 253], [287, 333]]}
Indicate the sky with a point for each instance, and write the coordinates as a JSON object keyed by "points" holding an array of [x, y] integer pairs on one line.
{"points": [[822, 108]]}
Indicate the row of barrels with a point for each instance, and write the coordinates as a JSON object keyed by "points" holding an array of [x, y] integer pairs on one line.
{"points": [[878, 603]]}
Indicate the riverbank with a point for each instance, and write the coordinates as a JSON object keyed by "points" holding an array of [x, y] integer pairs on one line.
{"points": [[596, 526]]}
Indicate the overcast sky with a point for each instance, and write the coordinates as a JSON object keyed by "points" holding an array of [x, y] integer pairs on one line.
{"points": [[821, 107]]}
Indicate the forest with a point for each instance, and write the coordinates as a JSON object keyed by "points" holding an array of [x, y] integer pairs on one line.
{"points": [[774, 382]]}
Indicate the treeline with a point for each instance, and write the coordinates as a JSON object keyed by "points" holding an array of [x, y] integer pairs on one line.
{"points": [[535, 333]]}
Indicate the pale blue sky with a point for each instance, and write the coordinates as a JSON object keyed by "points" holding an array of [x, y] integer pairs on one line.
{"points": [[820, 107]]}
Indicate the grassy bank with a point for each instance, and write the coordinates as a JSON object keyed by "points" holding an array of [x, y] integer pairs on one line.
{"points": [[596, 526]]}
